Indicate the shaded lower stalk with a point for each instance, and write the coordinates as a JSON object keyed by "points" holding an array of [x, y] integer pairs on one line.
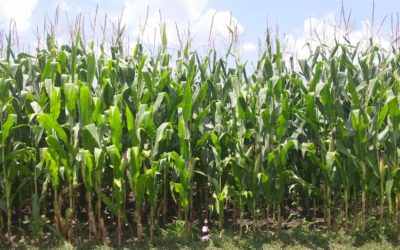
{"points": [[91, 218], [119, 226], [139, 226]]}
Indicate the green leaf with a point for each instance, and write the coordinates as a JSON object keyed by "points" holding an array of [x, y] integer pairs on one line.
{"points": [[56, 146], [202, 140], [158, 101], [111, 205], [116, 127], [4, 88], [330, 159], [92, 129], [268, 69], [187, 102], [85, 106], [352, 89], [19, 78], [49, 69], [99, 159], [70, 97], [201, 95], [159, 137], [183, 135], [140, 190], [382, 115], [55, 103], [278, 56], [243, 109], [91, 68], [6, 128], [305, 69], [50, 124], [53, 167], [87, 168], [62, 60], [388, 190], [317, 77]]}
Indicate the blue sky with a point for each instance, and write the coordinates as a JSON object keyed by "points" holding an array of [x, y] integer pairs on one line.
{"points": [[249, 17]]}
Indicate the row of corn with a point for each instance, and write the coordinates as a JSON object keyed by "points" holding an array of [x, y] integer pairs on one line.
{"points": [[143, 140]]}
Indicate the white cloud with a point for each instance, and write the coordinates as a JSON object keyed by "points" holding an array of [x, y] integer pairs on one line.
{"points": [[249, 47], [178, 10], [218, 22], [18, 10], [63, 5], [187, 15], [327, 31]]}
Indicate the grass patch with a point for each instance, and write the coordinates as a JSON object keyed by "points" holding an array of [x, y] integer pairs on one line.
{"points": [[305, 235]]}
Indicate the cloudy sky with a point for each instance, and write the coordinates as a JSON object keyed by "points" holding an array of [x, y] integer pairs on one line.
{"points": [[293, 20]]}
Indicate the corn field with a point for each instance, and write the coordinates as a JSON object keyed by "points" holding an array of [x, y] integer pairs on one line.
{"points": [[96, 142]]}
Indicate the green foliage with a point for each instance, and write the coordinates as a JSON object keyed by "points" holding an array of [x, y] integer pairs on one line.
{"points": [[188, 134]]}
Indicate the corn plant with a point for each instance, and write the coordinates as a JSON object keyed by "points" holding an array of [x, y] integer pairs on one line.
{"points": [[145, 133]]}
